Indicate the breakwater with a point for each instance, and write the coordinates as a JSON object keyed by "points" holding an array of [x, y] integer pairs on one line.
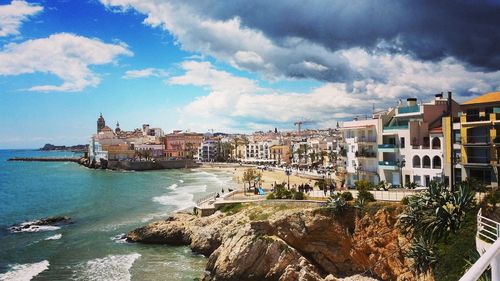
{"points": [[45, 159]]}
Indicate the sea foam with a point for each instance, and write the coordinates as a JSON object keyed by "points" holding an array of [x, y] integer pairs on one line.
{"points": [[25, 272], [109, 268], [54, 237]]}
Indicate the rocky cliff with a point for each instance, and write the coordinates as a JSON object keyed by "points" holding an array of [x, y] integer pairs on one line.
{"points": [[275, 243]]}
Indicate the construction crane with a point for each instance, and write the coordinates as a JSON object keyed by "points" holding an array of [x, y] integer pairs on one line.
{"points": [[299, 124]]}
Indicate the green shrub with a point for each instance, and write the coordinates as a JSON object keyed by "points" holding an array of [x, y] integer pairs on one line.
{"points": [[366, 195], [364, 185], [337, 205], [232, 208], [430, 217], [280, 192], [404, 201], [347, 196]]}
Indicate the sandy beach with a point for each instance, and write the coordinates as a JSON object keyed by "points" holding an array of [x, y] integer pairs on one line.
{"points": [[268, 177]]}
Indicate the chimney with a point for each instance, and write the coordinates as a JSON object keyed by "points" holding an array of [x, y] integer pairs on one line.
{"points": [[411, 101], [439, 96]]}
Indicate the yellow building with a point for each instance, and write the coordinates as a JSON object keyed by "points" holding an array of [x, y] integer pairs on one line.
{"points": [[480, 138], [280, 154], [120, 151]]}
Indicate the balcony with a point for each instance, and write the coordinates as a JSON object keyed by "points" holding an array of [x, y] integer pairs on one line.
{"points": [[369, 139], [476, 118], [476, 140], [366, 154], [483, 160], [409, 109], [396, 127], [388, 165], [387, 147]]}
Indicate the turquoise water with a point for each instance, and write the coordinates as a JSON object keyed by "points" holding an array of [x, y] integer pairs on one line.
{"points": [[103, 205]]}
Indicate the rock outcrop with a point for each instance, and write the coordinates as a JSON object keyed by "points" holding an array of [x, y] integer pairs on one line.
{"points": [[269, 243]]}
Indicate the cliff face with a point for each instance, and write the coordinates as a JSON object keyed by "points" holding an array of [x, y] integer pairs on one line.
{"points": [[273, 244]]}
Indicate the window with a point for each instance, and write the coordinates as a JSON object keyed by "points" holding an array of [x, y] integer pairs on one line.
{"points": [[426, 162], [436, 143], [416, 162], [417, 180], [436, 162], [402, 142]]}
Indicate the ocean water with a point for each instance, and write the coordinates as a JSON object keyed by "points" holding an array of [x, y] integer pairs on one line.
{"points": [[103, 205]]}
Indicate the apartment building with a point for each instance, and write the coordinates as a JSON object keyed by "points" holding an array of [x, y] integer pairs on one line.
{"points": [[359, 150], [480, 138]]}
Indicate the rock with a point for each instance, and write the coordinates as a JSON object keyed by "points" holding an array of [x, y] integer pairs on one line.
{"points": [[294, 244], [43, 224]]}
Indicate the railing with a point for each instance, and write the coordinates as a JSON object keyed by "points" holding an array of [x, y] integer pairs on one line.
{"points": [[366, 139], [476, 118], [478, 160], [476, 139], [387, 145], [387, 163], [396, 127], [488, 231], [206, 198], [409, 109]]}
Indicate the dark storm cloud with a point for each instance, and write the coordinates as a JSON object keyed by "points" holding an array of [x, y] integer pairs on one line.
{"points": [[428, 30]]}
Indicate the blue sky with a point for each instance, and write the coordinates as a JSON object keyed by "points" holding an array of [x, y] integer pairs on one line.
{"points": [[229, 66]]}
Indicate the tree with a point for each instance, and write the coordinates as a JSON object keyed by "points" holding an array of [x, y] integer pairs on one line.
{"points": [[250, 175]]}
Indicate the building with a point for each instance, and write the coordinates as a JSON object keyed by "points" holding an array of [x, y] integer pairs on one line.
{"points": [[259, 151], [150, 150], [121, 151], [281, 154], [180, 144], [411, 148], [480, 138], [95, 152], [359, 150], [208, 150], [100, 123]]}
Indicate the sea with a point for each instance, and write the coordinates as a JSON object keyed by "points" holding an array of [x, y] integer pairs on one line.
{"points": [[103, 205]]}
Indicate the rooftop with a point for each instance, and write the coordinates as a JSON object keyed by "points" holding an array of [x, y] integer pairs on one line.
{"points": [[486, 98]]}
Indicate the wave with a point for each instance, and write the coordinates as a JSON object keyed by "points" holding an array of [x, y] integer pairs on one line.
{"points": [[54, 237], [31, 227], [172, 187], [181, 181], [109, 268], [120, 238], [181, 200], [22, 272]]}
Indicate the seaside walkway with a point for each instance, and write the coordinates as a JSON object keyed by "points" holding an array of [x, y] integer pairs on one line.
{"points": [[45, 159]]}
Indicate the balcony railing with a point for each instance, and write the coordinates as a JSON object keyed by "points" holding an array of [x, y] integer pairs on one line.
{"points": [[477, 118], [366, 154], [478, 159], [387, 145], [488, 231], [387, 163], [476, 139], [366, 139], [409, 109], [396, 127]]}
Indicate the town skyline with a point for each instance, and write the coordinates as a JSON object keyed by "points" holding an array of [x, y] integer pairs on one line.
{"points": [[234, 68]]}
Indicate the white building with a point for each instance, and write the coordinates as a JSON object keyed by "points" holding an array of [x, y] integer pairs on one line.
{"points": [[95, 151], [411, 147], [360, 150]]}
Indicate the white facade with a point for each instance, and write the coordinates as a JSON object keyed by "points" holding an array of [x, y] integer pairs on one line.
{"points": [[426, 163], [259, 151], [95, 151], [360, 150]]}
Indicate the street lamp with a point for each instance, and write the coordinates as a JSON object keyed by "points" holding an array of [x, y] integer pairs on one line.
{"points": [[288, 172], [400, 164]]}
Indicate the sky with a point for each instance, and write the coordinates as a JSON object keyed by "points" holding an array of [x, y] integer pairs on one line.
{"points": [[232, 66]]}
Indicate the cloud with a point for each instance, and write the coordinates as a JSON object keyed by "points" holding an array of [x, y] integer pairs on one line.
{"points": [[13, 14], [261, 36], [64, 55], [146, 72], [238, 103]]}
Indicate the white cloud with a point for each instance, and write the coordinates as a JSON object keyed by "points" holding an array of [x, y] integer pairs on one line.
{"points": [[64, 55], [13, 14], [146, 72], [354, 77], [237, 103]]}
